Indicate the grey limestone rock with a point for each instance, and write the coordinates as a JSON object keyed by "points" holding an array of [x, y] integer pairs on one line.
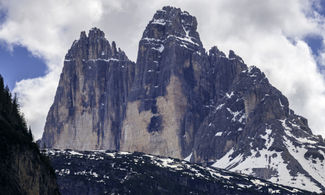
{"points": [[180, 101], [90, 101]]}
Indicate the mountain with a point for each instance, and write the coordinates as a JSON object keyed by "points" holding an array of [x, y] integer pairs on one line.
{"points": [[109, 172], [180, 101], [91, 96], [253, 131], [23, 170]]}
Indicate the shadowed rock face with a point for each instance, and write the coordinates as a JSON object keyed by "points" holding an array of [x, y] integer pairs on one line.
{"points": [[180, 101]]}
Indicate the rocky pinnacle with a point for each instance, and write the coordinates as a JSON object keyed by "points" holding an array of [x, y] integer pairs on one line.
{"points": [[178, 100]]}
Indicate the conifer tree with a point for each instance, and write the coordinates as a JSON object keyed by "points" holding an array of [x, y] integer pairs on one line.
{"points": [[9, 109], [1, 93], [30, 134]]}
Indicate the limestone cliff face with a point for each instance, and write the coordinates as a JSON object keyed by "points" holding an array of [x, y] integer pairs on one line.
{"points": [[162, 112], [104, 101], [90, 101], [180, 101]]}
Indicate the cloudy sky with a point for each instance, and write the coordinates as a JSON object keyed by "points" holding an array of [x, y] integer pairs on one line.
{"points": [[283, 38]]}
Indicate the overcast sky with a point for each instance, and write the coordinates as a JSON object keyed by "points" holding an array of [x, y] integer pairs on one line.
{"points": [[283, 38]]}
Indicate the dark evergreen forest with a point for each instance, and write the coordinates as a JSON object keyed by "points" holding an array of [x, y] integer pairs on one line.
{"points": [[15, 139]]}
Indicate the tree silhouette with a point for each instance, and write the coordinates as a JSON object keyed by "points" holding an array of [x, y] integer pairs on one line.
{"points": [[10, 111]]}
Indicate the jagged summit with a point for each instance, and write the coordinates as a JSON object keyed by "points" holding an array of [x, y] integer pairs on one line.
{"points": [[172, 24], [215, 51], [232, 56], [180, 101], [94, 47], [91, 95], [94, 33]]}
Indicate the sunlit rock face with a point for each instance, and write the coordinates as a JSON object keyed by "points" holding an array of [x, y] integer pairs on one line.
{"points": [[164, 108], [179, 100], [90, 102]]}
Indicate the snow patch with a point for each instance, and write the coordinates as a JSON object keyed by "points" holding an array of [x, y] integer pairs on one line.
{"points": [[160, 49], [105, 60], [75, 153], [159, 22], [229, 95], [316, 170], [268, 139], [188, 158], [288, 130], [236, 114], [224, 161], [152, 39], [124, 153], [63, 172], [185, 39], [220, 106], [266, 160], [281, 103]]}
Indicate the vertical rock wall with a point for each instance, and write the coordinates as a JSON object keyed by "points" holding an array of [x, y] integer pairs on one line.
{"points": [[178, 100], [90, 101]]}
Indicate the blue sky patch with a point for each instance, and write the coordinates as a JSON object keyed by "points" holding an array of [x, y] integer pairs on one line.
{"points": [[314, 42], [19, 64]]}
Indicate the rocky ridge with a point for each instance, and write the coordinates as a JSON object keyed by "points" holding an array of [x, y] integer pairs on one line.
{"points": [[180, 101], [109, 172]]}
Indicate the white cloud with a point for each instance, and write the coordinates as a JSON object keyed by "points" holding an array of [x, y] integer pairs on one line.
{"points": [[47, 29], [259, 31], [36, 97]]}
